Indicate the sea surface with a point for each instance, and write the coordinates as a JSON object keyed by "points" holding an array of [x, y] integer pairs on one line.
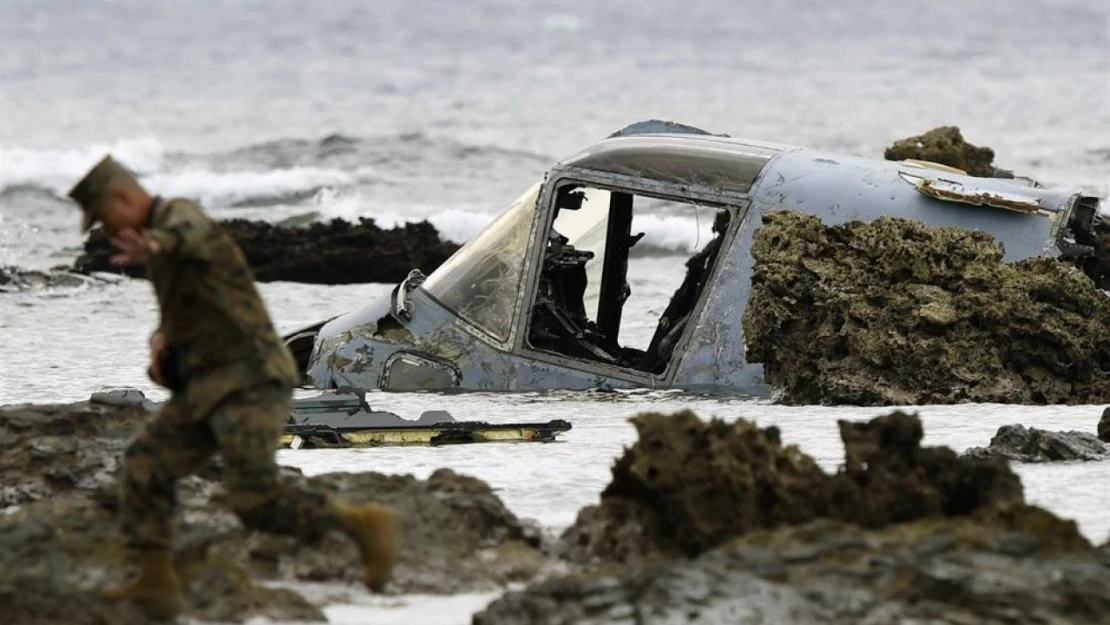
{"points": [[447, 111]]}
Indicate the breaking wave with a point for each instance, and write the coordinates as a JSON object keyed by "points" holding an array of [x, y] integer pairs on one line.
{"points": [[246, 187], [281, 171], [57, 170], [664, 235]]}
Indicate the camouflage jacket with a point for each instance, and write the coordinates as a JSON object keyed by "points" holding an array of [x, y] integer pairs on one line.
{"points": [[215, 324]]}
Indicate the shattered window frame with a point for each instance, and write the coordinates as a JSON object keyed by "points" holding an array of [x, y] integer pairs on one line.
{"points": [[506, 240], [737, 202]]}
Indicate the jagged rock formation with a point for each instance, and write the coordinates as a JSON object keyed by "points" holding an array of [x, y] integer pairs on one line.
{"points": [[59, 540], [952, 572], [896, 312], [709, 521], [14, 279], [335, 252], [1021, 444], [902, 533], [687, 486], [946, 146]]}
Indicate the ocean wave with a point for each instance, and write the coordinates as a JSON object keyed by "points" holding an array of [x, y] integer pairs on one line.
{"points": [[270, 172], [57, 170], [247, 188], [663, 234]]}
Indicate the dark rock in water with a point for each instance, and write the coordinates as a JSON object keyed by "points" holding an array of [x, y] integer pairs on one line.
{"points": [[60, 543], [1104, 426], [955, 572], [894, 311], [901, 534], [946, 146], [13, 279], [1021, 444], [687, 486], [336, 252]]}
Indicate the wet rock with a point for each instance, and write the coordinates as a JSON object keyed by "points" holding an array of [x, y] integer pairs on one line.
{"points": [[1021, 444], [458, 537], [14, 279], [54, 450], [1104, 426], [60, 543], [57, 554], [942, 572], [895, 312], [901, 534], [946, 146], [336, 252], [687, 486]]}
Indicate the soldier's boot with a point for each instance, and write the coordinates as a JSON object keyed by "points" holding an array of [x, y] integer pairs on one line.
{"points": [[157, 590], [376, 531]]}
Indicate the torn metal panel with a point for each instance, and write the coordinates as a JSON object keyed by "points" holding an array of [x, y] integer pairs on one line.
{"points": [[953, 191]]}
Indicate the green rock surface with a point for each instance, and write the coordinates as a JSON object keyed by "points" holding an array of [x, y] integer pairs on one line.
{"points": [[896, 312]]}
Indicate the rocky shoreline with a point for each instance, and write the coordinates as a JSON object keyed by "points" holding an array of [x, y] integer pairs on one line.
{"points": [[15, 279], [334, 252], [722, 522], [59, 541], [1018, 443]]}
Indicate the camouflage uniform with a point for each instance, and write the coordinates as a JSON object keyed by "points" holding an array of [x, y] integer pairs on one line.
{"points": [[232, 381]]}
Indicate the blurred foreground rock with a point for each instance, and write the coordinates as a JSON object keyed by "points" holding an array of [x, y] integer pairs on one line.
{"points": [[711, 523], [944, 145], [687, 486], [336, 252], [15, 279], [896, 312], [59, 540], [901, 534], [1021, 444]]}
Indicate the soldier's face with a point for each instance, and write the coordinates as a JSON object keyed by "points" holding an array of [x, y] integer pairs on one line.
{"points": [[121, 211]]}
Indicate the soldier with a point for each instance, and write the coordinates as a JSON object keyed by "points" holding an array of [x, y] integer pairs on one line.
{"points": [[231, 379]]}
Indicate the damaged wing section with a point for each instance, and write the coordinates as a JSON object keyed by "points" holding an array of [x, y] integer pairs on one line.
{"points": [[344, 419]]}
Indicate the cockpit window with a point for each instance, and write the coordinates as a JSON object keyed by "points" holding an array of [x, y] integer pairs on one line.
{"points": [[482, 280]]}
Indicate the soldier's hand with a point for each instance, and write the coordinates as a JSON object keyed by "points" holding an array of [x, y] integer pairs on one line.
{"points": [[157, 344], [135, 248]]}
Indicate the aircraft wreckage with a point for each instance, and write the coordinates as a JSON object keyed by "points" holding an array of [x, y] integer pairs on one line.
{"points": [[536, 300]]}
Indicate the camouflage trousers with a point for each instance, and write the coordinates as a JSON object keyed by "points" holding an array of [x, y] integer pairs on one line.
{"points": [[244, 429]]}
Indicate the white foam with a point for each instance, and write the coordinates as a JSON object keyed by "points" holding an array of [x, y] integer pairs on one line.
{"points": [[454, 224], [460, 224], [57, 170], [674, 233], [215, 189]]}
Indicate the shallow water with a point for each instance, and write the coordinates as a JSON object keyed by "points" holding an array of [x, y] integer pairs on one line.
{"points": [[405, 109]]}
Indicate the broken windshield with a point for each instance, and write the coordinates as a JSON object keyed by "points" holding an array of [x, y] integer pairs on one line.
{"points": [[482, 280]]}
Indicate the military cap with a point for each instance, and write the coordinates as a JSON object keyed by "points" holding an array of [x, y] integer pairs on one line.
{"points": [[91, 189]]}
